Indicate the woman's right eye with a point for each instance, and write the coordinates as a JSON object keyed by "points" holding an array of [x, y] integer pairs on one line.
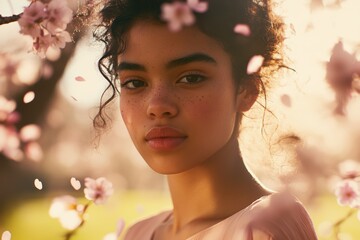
{"points": [[133, 84]]}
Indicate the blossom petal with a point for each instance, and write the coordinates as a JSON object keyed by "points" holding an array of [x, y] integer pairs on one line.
{"points": [[75, 183], [6, 235], [242, 29], [38, 184], [255, 64], [29, 97]]}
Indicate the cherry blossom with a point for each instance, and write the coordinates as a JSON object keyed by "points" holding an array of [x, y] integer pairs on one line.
{"points": [[46, 23], [58, 16], [177, 15], [61, 204], [67, 210], [8, 67], [60, 39], [6, 108], [30, 132], [34, 14], [70, 219], [198, 6], [348, 193], [98, 190], [6, 235]]}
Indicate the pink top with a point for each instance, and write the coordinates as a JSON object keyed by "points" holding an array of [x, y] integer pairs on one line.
{"points": [[278, 216]]}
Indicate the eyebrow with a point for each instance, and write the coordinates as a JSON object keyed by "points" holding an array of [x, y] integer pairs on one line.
{"points": [[195, 57]]}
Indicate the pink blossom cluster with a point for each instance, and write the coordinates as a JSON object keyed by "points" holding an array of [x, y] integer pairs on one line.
{"points": [[343, 71], [45, 22], [70, 212], [98, 190], [8, 67], [15, 144], [347, 189], [179, 14]]}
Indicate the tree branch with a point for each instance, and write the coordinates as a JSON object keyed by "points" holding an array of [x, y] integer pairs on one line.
{"points": [[10, 19]]}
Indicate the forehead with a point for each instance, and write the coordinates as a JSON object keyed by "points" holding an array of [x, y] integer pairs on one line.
{"points": [[149, 39]]}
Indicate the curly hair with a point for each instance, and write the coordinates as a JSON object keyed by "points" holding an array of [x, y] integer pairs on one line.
{"points": [[218, 22]]}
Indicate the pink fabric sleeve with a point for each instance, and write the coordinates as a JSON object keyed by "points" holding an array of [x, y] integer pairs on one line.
{"points": [[283, 218]]}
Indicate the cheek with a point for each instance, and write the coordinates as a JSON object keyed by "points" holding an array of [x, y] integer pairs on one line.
{"points": [[128, 110]]}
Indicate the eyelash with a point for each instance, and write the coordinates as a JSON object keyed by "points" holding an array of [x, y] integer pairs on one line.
{"points": [[199, 77], [126, 84], [193, 74]]}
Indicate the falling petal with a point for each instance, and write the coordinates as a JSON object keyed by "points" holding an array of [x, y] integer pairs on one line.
{"points": [[110, 236], [242, 29], [75, 183], [120, 227], [29, 97], [255, 64], [80, 79], [285, 100], [198, 6], [6, 235], [38, 184]]}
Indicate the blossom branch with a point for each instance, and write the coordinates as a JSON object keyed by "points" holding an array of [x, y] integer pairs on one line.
{"points": [[70, 234], [9, 19], [341, 221]]}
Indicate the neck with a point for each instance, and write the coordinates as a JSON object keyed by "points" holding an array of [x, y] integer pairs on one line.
{"points": [[214, 190]]}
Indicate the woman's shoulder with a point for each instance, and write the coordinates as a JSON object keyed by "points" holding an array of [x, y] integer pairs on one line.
{"points": [[282, 216], [145, 228]]}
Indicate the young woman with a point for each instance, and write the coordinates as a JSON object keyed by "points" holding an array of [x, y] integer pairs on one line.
{"points": [[184, 89]]}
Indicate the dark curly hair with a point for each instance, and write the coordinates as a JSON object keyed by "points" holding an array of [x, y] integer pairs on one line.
{"points": [[267, 34]]}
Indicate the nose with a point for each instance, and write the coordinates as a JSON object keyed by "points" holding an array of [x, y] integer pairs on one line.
{"points": [[162, 104]]}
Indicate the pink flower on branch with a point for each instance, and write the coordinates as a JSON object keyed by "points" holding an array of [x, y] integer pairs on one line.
{"points": [[98, 190], [46, 24], [58, 16], [67, 211], [31, 18], [348, 193], [177, 15]]}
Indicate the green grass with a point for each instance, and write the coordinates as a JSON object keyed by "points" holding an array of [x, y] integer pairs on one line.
{"points": [[326, 210], [30, 219]]}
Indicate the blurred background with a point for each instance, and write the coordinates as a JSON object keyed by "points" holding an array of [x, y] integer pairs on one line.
{"points": [[63, 108]]}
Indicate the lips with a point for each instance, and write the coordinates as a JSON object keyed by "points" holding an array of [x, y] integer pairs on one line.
{"points": [[164, 138]]}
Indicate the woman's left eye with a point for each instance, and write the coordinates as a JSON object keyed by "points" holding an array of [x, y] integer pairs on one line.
{"points": [[192, 78]]}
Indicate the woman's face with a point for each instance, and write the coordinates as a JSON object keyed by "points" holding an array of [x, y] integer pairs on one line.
{"points": [[178, 98]]}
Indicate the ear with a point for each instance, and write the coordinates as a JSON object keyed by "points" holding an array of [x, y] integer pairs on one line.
{"points": [[246, 97]]}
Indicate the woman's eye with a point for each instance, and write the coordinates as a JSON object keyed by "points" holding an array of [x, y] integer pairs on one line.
{"points": [[192, 78], [133, 84]]}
